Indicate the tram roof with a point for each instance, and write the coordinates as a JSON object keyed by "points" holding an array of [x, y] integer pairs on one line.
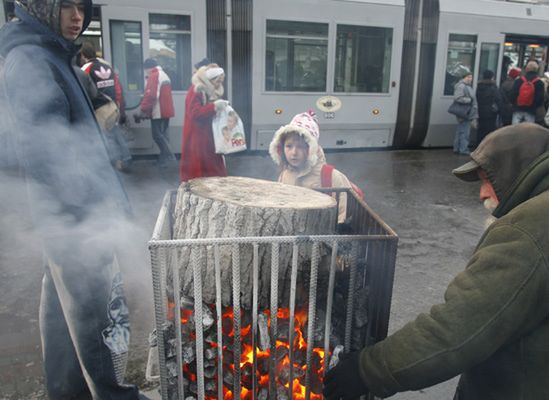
{"points": [[499, 8], [382, 2]]}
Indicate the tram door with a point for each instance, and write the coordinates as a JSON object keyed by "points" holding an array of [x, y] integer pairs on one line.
{"points": [[174, 36], [460, 51], [519, 50]]}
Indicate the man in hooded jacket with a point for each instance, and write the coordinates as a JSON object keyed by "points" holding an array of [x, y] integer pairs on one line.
{"points": [[493, 327], [75, 197]]}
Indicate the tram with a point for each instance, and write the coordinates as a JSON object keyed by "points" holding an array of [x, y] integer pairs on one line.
{"points": [[379, 73]]}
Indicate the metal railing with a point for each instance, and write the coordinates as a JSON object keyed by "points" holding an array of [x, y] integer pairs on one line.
{"points": [[365, 260]]}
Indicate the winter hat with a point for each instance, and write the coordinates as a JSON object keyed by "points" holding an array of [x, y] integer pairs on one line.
{"points": [[150, 63], [49, 12], [304, 124], [504, 154], [532, 66], [308, 122], [514, 72], [212, 73]]}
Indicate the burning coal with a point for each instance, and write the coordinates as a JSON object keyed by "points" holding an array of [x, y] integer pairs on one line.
{"points": [[266, 366]]}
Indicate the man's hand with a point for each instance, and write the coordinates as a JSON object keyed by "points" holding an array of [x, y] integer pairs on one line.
{"points": [[344, 381], [474, 123], [220, 105], [140, 115]]}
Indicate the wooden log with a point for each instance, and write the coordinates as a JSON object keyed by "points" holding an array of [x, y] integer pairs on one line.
{"points": [[233, 207]]}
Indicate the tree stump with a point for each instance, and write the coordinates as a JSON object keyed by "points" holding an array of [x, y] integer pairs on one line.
{"points": [[234, 207]]}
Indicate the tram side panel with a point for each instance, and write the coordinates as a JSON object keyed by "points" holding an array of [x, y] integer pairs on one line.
{"points": [[474, 37], [341, 59]]}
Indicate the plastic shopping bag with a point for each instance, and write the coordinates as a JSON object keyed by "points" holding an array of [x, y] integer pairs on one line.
{"points": [[228, 132]]}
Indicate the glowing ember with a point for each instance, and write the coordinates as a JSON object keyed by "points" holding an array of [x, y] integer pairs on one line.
{"points": [[283, 369]]}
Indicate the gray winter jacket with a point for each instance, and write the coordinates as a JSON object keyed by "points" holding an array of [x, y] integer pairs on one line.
{"points": [[464, 94]]}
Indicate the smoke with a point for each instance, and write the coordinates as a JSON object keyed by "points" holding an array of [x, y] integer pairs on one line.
{"points": [[67, 203]]}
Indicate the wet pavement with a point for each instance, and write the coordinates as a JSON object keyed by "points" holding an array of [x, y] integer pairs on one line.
{"points": [[437, 217]]}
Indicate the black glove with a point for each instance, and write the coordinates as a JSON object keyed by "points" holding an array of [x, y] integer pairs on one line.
{"points": [[344, 381]]}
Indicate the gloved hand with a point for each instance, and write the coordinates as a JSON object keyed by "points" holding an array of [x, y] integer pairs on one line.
{"points": [[220, 105], [140, 115], [344, 381]]}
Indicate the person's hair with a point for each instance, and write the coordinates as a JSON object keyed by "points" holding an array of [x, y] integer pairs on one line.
{"points": [[532, 66], [150, 63], [88, 50], [488, 74], [202, 63]]}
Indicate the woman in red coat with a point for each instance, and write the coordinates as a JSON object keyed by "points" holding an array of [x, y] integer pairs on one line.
{"points": [[198, 157]]}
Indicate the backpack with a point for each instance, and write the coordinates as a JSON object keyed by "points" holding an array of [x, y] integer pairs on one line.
{"points": [[326, 180], [527, 92]]}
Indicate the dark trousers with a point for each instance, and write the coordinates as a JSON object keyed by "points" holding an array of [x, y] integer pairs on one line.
{"points": [[85, 329], [485, 126], [160, 136]]}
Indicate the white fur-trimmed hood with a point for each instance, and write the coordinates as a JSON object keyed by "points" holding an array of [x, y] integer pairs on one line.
{"points": [[276, 151]]}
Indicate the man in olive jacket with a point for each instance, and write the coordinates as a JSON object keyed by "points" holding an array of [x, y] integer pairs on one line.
{"points": [[493, 327]]}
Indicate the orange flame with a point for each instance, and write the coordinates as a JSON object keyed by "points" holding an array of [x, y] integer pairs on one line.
{"points": [[247, 354]]}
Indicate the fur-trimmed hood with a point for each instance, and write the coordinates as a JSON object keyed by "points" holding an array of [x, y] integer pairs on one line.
{"points": [[306, 125], [276, 149], [203, 85]]}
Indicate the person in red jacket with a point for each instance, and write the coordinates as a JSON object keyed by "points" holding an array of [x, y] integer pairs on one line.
{"points": [[198, 157], [157, 104]]}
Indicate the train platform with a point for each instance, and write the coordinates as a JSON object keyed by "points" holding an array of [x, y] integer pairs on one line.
{"points": [[438, 218]]}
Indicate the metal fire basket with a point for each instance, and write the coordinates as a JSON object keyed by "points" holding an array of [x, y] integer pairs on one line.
{"points": [[367, 250]]}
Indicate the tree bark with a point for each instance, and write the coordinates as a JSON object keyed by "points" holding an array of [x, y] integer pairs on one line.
{"points": [[234, 207]]}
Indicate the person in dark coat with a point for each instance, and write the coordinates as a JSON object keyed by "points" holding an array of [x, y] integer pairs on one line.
{"points": [[75, 198], [493, 326], [489, 104], [527, 113], [506, 91], [198, 156]]}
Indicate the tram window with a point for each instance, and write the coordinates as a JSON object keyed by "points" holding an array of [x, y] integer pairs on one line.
{"points": [[489, 56], [296, 57], [363, 59], [170, 45], [460, 57], [9, 10], [127, 57]]}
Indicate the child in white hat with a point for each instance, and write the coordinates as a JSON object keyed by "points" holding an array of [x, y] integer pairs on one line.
{"points": [[296, 151]]}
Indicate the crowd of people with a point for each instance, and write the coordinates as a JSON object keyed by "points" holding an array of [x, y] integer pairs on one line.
{"points": [[492, 328], [522, 97]]}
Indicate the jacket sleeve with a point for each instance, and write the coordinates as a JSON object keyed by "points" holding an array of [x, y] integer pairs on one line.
{"points": [[149, 97], [498, 98], [44, 137], [539, 93], [460, 94], [515, 90], [199, 111], [340, 180], [500, 297]]}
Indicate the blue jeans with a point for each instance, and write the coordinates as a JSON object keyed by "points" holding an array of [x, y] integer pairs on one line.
{"points": [[84, 328], [523, 116], [117, 146], [160, 136], [461, 138]]}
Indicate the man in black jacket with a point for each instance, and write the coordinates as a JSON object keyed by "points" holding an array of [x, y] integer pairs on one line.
{"points": [[76, 198]]}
